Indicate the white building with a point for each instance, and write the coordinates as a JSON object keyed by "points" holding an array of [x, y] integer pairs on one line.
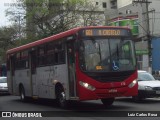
{"points": [[122, 3], [154, 13], [105, 4], [139, 8]]}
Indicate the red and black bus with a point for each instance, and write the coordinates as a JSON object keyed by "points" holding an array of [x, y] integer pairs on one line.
{"points": [[86, 63]]}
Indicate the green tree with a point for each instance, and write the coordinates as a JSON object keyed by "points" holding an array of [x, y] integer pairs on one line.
{"points": [[44, 18], [7, 40]]}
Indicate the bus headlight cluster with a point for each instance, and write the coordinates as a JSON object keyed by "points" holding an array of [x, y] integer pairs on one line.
{"points": [[86, 85], [132, 84]]}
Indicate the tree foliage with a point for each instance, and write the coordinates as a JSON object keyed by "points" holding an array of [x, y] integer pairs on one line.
{"points": [[7, 40], [44, 18], [36, 19]]}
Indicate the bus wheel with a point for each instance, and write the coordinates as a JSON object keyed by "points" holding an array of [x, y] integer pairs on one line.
{"points": [[137, 98], [61, 97], [22, 94], [107, 102], [62, 100]]}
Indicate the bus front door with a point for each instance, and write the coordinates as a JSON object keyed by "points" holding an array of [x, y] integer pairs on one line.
{"points": [[71, 69]]}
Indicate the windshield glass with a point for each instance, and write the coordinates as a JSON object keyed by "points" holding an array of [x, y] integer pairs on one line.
{"points": [[3, 80], [144, 76], [113, 54]]}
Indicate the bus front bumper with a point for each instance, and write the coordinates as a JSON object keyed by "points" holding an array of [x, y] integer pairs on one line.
{"points": [[108, 93]]}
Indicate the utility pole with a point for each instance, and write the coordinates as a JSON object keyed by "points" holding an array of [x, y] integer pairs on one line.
{"points": [[18, 20], [148, 35]]}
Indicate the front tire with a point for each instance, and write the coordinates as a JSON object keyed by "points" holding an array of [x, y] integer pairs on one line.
{"points": [[107, 102]]}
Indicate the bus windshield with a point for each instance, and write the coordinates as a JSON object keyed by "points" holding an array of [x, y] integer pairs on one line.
{"points": [[101, 54]]}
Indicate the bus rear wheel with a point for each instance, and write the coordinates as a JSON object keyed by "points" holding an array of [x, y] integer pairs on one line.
{"points": [[22, 94], [107, 102], [61, 98]]}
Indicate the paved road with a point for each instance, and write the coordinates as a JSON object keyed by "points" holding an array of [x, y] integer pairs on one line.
{"points": [[13, 103], [93, 109]]}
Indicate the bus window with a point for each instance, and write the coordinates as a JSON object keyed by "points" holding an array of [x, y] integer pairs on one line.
{"points": [[59, 54], [17, 60], [41, 56], [50, 54], [113, 54], [22, 60]]}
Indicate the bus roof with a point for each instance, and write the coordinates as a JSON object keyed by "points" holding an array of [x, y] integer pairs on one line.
{"points": [[55, 37]]}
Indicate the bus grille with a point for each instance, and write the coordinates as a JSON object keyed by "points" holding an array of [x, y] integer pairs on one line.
{"points": [[111, 76], [111, 79]]}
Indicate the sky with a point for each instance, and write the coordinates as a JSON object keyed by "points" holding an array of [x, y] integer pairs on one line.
{"points": [[5, 4]]}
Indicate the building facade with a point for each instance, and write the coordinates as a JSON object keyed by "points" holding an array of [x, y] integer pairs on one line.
{"points": [[148, 15], [105, 4]]}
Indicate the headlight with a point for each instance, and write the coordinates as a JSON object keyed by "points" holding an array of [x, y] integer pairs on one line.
{"points": [[148, 88], [132, 84], [86, 85]]}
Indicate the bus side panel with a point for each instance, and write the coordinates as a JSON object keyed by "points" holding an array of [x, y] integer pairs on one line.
{"points": [[9, 82], [42, 79], [46, 76], [22, 77]]}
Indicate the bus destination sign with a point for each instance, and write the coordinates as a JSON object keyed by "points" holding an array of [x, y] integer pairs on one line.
{"points": [[106, 32]]}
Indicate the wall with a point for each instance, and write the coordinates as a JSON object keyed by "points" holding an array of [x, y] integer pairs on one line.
{"points": [[122, 3], [154, 14], [154, 9], [156, 54]]}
